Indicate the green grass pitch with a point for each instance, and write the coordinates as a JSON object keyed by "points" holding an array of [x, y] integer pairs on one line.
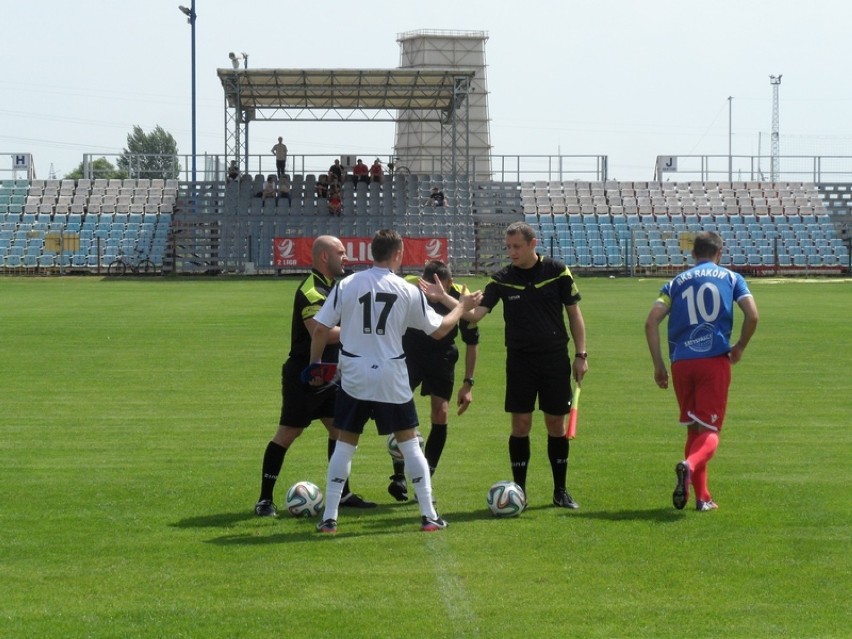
{"points": [[135, 413]]}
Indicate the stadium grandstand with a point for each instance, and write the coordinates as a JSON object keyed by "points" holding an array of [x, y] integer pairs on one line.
{"points": [[613, 227], [795, 224]]}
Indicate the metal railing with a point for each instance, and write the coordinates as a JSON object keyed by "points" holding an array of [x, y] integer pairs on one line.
{"points": [[502, 168], [754, 168]]}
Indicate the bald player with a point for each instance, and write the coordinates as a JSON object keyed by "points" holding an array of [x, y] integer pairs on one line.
{"points": [[301, 405]]}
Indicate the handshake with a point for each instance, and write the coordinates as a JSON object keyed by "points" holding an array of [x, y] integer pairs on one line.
{"points": [[319, 374], [435, 292]]}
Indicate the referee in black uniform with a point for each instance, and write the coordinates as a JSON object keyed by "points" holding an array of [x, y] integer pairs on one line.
{"points": [[432, 366], [534, 290], [301, 405]]}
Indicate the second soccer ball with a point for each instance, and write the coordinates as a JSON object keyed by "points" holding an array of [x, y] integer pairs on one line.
{"points": [[393, 446], [304, 499], [506, 499]]}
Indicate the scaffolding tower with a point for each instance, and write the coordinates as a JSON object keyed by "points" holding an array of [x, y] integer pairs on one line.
{"points": [[418, 141]]}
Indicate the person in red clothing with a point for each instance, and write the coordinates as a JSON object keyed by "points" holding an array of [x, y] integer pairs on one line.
{"points": [[377, 173], [360, 172], [335, 202]]}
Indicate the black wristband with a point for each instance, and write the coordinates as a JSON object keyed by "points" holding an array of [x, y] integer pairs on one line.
{"points": [[583, 355], [468, 380]]}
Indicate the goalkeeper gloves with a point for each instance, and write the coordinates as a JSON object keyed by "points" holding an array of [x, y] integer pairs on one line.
{"points": [[326, 372]]}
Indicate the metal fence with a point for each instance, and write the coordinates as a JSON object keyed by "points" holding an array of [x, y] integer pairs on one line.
{"points": [[753, 168], [506, 168]]}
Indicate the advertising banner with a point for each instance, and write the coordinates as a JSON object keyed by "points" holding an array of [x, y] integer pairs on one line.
{"points": [[295, 252]]}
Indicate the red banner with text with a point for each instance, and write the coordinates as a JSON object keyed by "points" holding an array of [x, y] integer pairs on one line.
{"points": [[295, 252]]}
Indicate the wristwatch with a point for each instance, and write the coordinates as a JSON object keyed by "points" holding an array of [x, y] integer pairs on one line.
{"points": [[583, 355], [468, 381]]}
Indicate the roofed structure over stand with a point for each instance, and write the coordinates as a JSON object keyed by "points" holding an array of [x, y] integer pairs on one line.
{"points": [[342, 95]]}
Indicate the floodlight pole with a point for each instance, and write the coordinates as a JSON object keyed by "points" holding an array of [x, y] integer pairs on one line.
{"points": [[190, 18], [730, 157]]}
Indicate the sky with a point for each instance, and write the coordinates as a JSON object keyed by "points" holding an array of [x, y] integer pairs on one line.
{"points": [[629, 79]]}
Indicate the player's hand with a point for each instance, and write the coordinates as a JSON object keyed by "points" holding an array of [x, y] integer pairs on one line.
{"points": [[471, 300], [312, 375], [736, 353], [320, 374], [465, 399], [434, 290], [661, 376], [580, 367]]}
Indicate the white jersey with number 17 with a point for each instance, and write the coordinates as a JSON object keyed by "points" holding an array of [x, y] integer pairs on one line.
{"points": [[374, 309]]}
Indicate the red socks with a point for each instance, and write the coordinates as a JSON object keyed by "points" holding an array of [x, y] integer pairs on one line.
{"points": [[700, 447]]}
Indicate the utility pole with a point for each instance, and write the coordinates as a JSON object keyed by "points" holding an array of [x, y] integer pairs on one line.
{"points": [[774, 152], [730, 156], [191, 16]]}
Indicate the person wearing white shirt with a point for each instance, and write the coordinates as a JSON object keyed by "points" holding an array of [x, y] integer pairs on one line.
{"points": [[280, 153], [374, 308]]}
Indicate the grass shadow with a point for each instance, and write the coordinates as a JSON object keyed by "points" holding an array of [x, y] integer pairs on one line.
{"points": [[393, 526], [228, 520], [219, 520], [660, 515], [246, 539]]}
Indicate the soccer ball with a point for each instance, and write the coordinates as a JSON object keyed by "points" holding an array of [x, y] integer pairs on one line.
{"points": [[304, 499], [506, 499], [393, 447]]}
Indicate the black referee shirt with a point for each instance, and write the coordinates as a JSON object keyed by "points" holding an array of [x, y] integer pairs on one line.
{"points": [[533, 302], [310, 296]]}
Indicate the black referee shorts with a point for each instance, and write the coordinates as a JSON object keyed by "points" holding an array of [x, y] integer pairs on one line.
{"points": [[299, 404], [546, 375], [434, 372]]}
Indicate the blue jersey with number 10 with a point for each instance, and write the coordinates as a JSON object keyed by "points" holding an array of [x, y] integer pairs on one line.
{"points": [[701, 303]]}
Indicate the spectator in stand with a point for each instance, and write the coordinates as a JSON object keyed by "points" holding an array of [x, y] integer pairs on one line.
{"points": [[284, 190], [270, 191], [233, 171], [377, 173], [336, 173], [257, 185], [335, 202], [360, 173], [280, 153], [322, 186], [437, 198], [334, 182]]}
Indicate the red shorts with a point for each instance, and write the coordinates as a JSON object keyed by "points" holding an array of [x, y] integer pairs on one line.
{"points": [[701, 387]]}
